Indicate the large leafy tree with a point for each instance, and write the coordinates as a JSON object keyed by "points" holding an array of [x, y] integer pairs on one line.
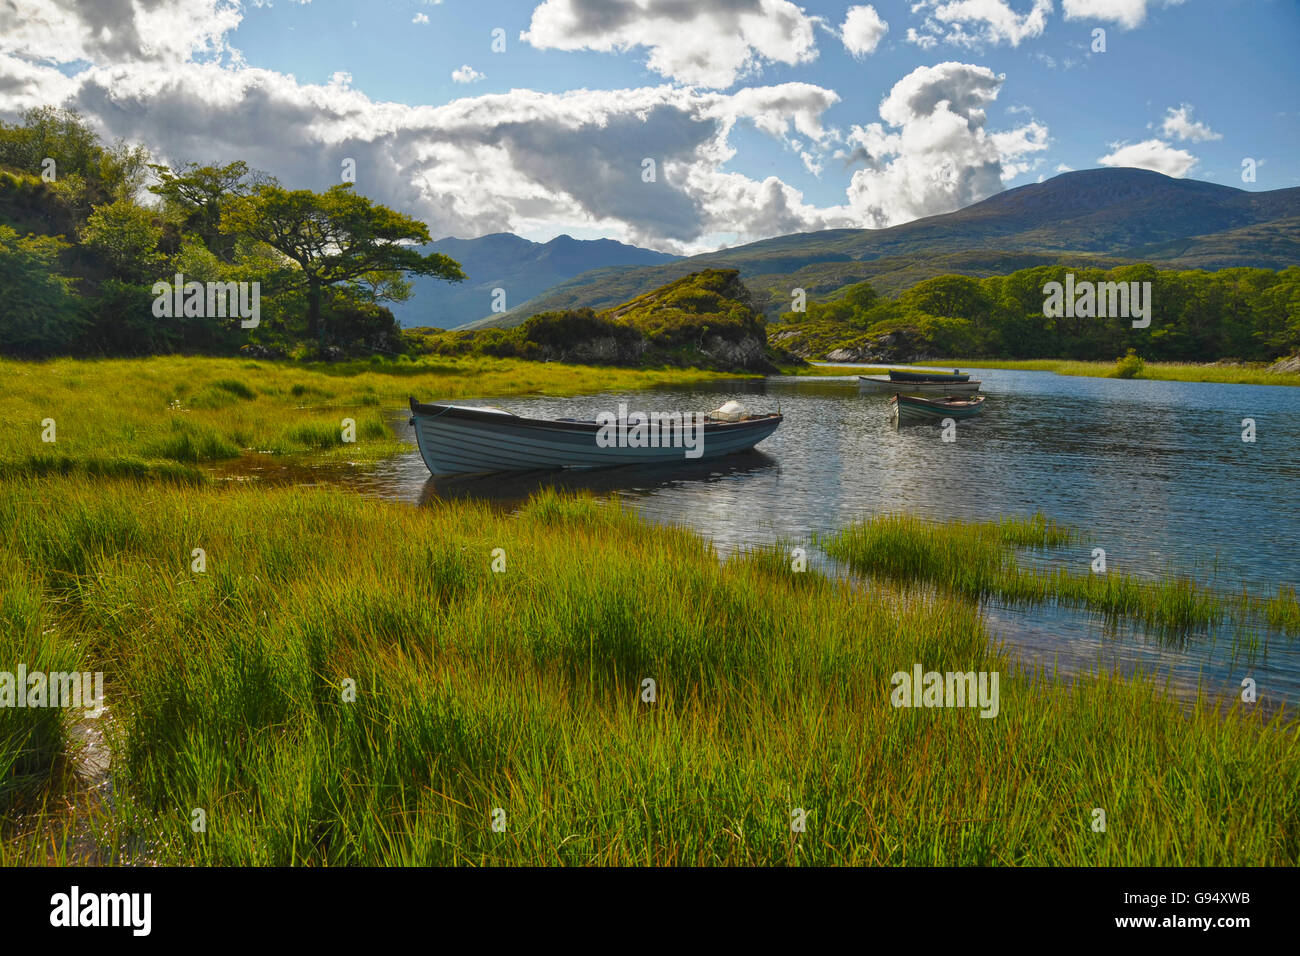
{"points": [[335, 237], [197, 193]]}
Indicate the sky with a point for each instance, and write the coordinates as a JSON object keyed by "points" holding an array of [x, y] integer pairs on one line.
{"points": [[678, 125]]}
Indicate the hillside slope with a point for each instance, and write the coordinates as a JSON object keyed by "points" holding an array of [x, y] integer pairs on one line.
{"points": [[1099, 217]]}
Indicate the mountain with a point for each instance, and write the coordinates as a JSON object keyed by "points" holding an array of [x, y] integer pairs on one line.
{"points": [[1095, 217], [504, 261]]}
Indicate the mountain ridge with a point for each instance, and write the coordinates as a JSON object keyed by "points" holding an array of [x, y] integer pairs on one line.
{"points": [[1116, 214]]}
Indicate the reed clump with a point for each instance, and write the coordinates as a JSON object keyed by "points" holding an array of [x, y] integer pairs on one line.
{"points": [[980, 560]]}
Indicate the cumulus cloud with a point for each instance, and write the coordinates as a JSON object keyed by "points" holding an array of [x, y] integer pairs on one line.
{"points": [[1153, 154], [534, 162], [466, 74], [116, 31], [970, 23], [862, 30], [1179, 124], [523, 161], [1127, 13], [936, 155], [420, 18], [701, 42]]}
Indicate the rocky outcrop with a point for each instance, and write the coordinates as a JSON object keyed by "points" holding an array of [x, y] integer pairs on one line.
{"points": [[900, 346], [1291, 364]]}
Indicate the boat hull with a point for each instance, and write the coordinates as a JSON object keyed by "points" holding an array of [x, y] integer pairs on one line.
{"points": [[909, 409], [455, 440], [879, 383], [899, 375]]}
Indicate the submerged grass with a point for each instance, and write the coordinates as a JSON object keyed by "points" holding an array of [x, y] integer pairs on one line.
{"points": [[979, 560], [351, 682], [148, 416]]}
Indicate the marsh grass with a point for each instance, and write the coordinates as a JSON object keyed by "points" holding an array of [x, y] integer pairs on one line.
{"points": [[1158, 371], [134, 416], [1255, 374], [1283, 611], [522, 690], [979, 560]]}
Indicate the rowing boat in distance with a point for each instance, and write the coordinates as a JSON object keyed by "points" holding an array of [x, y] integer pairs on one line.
{"points": [[910, 408], [460, 439], [907, 375], [882, 383]]}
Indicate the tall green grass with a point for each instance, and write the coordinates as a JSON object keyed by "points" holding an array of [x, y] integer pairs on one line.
{"points": [[979, 560], [523, 690]]}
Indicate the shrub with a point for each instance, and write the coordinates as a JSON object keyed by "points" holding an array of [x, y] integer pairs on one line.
{"points": [[1130, 366]]}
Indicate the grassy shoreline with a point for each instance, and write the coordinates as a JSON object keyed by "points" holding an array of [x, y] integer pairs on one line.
{"points": [[169, 416], [523, 689], [1155, 371]]}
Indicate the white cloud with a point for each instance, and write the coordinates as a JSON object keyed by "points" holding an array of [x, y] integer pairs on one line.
{"points": [[971, 23], [1127, 13], [1179, 124], [523, 161], [701, 42], [116, 31], [420, 18], [1152, 154], [466, 74], [1062, 168], [862, 30], [937, 156], [925, 41], [534, 163]]}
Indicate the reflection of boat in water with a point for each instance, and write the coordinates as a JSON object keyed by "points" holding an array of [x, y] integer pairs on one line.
{"points": [[458, 439], [908, 408], [515, 487]]}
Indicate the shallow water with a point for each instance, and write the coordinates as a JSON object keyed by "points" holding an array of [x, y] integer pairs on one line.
{"points": [[1156, 473]]}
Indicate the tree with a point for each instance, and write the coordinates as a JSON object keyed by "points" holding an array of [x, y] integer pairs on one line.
{"points": [[41, 314], [126, 239], [197, 192], [334, 237]]}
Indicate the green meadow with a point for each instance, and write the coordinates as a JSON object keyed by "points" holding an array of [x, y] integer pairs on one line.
{"points": [[353, 681]]}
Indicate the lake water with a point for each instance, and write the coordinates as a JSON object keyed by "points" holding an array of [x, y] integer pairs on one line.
{"points": [[1156, 473]]}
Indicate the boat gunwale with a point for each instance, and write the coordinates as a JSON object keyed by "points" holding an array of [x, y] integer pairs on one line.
{"points": [[434, 410], [952, 402]]}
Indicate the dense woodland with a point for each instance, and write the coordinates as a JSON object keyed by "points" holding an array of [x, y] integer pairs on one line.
{"points": [[1196, 316]]}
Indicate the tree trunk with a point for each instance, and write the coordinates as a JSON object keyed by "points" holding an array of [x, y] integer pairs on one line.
{"points": [[314, 329]]}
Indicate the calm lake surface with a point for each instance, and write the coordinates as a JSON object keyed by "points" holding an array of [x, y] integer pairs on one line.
{"points": [[1156, 473]]}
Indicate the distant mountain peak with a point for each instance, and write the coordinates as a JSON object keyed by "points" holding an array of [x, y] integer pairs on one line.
{"points": [[521, 267]]}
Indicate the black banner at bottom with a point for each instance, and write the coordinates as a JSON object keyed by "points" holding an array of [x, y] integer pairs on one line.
{"points": [[925, 907]]}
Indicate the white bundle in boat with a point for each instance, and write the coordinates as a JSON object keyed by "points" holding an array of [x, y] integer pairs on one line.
{"points": [[730, 412]]}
